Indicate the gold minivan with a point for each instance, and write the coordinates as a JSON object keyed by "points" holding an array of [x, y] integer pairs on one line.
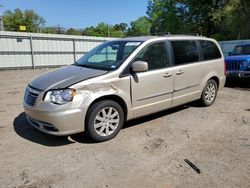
{"points": [[124, 79]]}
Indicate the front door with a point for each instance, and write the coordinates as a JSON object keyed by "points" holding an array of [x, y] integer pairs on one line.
{"points": [[152, 90]]}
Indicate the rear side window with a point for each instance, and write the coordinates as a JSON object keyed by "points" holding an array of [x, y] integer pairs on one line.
{"points": [[210, 50], [185, 52]]}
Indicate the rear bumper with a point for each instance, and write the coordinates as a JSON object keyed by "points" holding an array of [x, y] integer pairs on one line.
{"points": [[238, 74], [222, 82]]}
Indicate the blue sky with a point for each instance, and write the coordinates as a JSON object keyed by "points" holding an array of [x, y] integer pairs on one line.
{"points": [[81, 13]]}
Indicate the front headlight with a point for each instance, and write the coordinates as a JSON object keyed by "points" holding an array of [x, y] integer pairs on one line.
{"points": [[60, 96], [244, 64]]}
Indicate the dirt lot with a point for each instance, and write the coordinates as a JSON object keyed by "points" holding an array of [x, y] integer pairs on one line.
{"points": [[148, 152]]}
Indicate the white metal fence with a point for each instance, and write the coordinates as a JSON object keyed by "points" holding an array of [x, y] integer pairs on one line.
{"points": [[30, 50]]}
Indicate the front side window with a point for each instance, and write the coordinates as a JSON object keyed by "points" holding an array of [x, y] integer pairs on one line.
{"points": [[185, 52], [210, 50], [108, 56], [155, 55]]}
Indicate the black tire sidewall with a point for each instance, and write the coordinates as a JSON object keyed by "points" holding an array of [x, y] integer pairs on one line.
{"points": [[203, 100], [93, 111]]}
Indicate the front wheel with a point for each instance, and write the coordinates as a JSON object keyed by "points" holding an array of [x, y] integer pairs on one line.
{"points": [[104, 120], [209, 93]]}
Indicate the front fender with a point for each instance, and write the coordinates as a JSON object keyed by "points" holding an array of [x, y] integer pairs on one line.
{"points": [[94, 91]]}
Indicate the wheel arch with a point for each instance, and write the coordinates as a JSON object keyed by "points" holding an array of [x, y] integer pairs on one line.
{"points": [[216, 79], [115, 98], [212, 75]]}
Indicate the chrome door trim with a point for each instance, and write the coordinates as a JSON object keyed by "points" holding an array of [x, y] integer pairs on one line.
{"points": [[153, 96], [186, 87]]}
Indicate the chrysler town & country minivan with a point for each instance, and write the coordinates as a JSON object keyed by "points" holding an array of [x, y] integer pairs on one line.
{"points": [[124, 79]]}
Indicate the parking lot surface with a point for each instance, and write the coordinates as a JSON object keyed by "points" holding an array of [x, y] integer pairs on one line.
{"points": [[153, 151]]}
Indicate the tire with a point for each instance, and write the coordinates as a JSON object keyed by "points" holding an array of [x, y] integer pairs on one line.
{"points": [[104, 120], [209, 93]]}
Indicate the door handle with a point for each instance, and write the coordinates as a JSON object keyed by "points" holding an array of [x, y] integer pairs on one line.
{"points": [[179, 72], [166, 75]]}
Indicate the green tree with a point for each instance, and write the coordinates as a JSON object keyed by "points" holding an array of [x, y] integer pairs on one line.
{"points": [[210, 18], [50, 30], [73, 31], [233, 21], [28, 18], [121, 27], [167, 16], [202, 15], [140, 27], [241, 18], [103, 30]]}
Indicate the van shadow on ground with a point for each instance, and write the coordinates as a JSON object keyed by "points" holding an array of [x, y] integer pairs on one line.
{"points": [[26, 131]]}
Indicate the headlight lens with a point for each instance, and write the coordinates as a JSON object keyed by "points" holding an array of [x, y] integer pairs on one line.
{"points": [[60, 96], [244, 64]]}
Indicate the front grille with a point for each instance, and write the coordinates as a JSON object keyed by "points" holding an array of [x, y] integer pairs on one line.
{"points": [[233, 65], [30, 96]]}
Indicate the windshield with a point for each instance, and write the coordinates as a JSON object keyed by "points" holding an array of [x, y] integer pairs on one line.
{"points": [[109, 55], [241, 50]]}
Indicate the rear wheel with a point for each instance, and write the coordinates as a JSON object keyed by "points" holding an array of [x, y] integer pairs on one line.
{"points": [[104, 120], [209, 93]]}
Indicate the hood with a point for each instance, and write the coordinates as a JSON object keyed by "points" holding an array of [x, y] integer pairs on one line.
{"points": [[64, 77], [237, 58]]}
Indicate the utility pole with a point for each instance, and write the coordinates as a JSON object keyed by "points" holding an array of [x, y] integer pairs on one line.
{"points": [[58, 29], [1, 20], [108, 31], [1, 23]]}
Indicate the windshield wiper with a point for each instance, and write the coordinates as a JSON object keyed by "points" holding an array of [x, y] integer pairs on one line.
{"points": [[90, 66], [82, 65]]}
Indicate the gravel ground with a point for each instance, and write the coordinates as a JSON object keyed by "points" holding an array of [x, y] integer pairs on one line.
{"points": [[148, 152]]}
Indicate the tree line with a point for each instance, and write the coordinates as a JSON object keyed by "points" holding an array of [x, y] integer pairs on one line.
{"points": [[12, 21], [219, 19]]}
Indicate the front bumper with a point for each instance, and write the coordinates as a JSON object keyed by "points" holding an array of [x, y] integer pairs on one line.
{"points": [[55, 120], [238, 74]]}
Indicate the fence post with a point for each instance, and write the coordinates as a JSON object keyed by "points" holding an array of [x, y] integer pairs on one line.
{"points": [[32, 53], [74, 49], [222, 46]]}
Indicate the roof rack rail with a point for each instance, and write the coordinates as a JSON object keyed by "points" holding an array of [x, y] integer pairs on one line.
{"points": [[181, 34], [188, 34], [160, 33]]}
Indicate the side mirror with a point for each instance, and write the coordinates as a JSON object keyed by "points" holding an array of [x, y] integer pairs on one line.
{"points": [[139, 66]]}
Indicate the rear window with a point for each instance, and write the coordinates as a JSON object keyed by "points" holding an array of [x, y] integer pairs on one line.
{"points": [[210, 50], [185, 52]]}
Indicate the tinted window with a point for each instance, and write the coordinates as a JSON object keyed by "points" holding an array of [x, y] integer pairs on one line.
{"points": [[128, 49], [155, 55], [210, 50], [241, 50], [185, 52]]}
